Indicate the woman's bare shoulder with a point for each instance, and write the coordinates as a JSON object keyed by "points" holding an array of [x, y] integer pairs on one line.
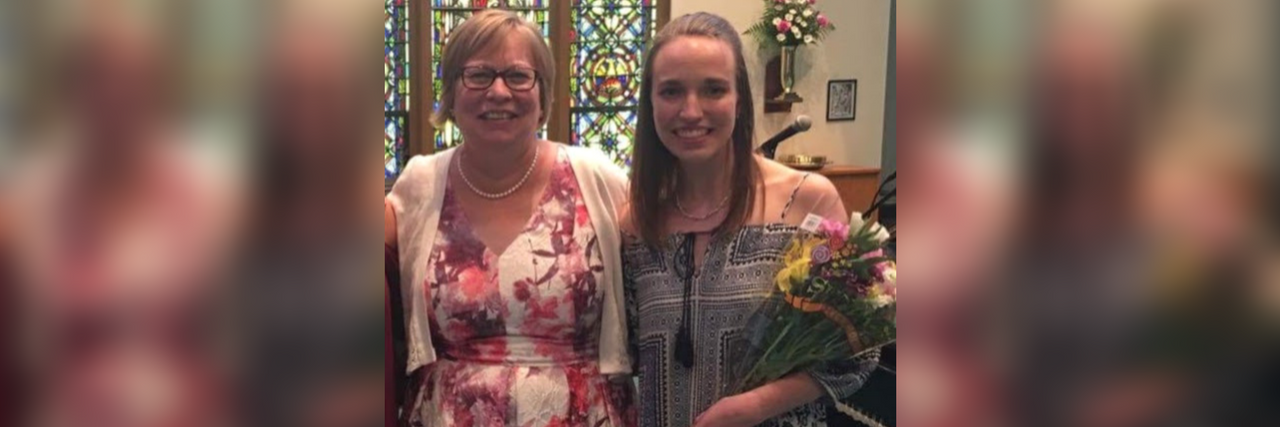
{"points": [[819, 196], [814, 193], [779, 180]]}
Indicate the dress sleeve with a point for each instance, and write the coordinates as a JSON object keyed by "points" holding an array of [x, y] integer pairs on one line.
{"points": [[840, 380]]}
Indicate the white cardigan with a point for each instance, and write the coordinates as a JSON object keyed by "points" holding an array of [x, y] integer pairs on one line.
{"points": [[417, 198]]}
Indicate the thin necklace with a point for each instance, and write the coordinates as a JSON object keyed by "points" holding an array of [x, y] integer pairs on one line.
{"points": [[686, 214], [504, 194]]}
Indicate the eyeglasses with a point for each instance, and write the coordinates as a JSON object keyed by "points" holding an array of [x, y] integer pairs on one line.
{"points": [[517, 79]]}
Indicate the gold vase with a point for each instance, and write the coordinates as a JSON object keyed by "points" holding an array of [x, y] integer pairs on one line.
{"points": [[787, 74]]}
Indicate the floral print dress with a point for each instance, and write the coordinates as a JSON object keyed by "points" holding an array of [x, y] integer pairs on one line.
{"points": [[518, 332]]}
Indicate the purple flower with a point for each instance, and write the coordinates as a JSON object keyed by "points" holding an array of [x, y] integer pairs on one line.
{"points": [[821, 255], [858, 288]]}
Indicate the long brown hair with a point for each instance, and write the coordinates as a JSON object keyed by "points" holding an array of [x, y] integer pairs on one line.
{"points": [[653, 177]]}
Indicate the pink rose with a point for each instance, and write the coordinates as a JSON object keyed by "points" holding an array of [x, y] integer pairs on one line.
{"points": [[833, 228], [813, 1], [784, 26], [822, 20], [836, 232]]}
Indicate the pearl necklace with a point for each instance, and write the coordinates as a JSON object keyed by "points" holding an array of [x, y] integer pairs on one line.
{"points": [[504, 194], [686, 214]]}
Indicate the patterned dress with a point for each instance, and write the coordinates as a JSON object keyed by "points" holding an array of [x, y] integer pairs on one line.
{"points": [[518, 332], [736, 274]]}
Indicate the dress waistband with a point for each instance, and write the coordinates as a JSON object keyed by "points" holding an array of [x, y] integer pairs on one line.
{"points": [[521, 352]]}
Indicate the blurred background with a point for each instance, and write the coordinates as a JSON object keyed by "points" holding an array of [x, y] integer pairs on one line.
{"points": [[1090, 213], [1091, 234], [187, 229]]}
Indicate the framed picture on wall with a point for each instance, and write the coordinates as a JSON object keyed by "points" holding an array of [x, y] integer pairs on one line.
{"points": [[842, 100]]}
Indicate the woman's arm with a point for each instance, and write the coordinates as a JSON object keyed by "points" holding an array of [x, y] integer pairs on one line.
{"points": [[388, 224], [389, 380], [779, 397], [394, 364], [757, 406]]}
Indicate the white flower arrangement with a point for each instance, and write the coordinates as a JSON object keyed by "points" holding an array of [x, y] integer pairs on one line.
{"points": [[790, 23]]}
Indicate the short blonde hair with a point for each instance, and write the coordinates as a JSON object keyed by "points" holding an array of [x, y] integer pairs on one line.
{"points": [[482, 31]]}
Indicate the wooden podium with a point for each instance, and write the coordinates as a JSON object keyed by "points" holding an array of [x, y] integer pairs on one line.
{"points": [[857, 185]]}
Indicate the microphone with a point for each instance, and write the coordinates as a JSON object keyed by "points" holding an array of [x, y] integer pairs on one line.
{"points": [[770, 147]]}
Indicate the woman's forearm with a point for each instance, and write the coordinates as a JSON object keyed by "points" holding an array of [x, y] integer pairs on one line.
{"points": [[779, 397]]}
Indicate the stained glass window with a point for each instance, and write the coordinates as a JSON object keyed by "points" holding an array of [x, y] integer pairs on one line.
{"points": [[607, 46], [447, 15], [395, 71], [606, 41]]}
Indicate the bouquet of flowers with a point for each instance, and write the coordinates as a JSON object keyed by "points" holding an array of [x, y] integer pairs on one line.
{"points": [[790, 23], [834, 300]]}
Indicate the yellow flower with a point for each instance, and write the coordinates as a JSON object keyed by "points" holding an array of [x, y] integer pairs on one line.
{"points": [[794, 252], [796, 262], [800, 271], [792, 274], [783, 280]]}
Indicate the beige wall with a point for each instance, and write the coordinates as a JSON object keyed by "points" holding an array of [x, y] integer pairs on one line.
{"points": [[858, 49]]}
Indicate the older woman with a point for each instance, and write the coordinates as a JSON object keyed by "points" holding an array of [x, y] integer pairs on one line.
{"points": [[709, 221], [509, 250]]}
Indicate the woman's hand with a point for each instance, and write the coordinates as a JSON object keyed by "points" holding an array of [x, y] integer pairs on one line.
{"points": [[741, 410], [767, 401]]}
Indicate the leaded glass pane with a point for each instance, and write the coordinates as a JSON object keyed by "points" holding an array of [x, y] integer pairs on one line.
{"points": [[607, 46], [395, 86]]}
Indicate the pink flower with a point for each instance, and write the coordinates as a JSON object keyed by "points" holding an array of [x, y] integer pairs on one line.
{"points": [[582, 216], [822, 20], [784, 26], [473, 283], [880, 271], [813, 1], [836, 232], [886, 276], [779, 1], [878, 253], [890, 289]]}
